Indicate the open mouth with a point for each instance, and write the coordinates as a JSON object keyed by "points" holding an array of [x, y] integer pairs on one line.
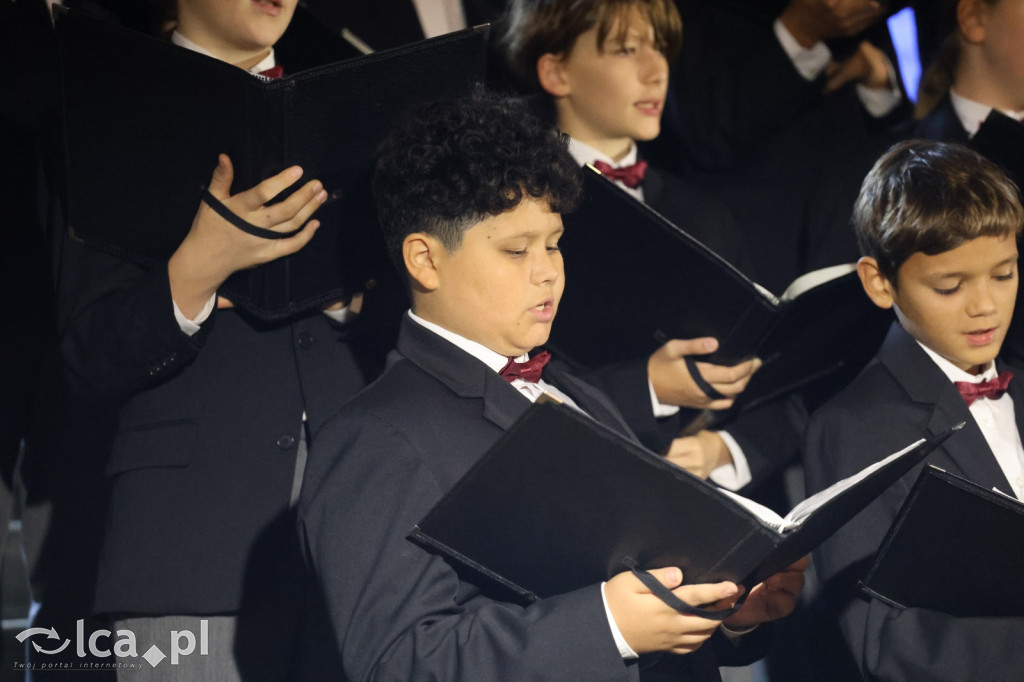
{"points": [[651, 107], [544, 311], [981, 337], [271, 7]]}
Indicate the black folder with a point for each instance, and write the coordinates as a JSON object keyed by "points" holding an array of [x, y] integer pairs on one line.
{"points": [[145, 120], [635, 280], [954, 547], [561, 502]]}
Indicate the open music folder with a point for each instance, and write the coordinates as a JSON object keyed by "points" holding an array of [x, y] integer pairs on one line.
{"points": [[144, 121], [635, 280], [561, 502], [950, 537]]}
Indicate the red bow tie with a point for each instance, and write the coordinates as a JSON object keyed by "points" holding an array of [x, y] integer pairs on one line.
{"points": [[992, 388], [273, 72], [527, 371], [630, 176]]}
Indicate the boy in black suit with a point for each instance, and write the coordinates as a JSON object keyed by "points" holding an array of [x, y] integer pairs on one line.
{"points": [[937, 225], [469, 194], [604, 71], [213, 405]]}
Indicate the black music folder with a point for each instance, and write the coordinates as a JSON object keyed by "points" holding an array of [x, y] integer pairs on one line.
{"points": [[561, 502], [954, 547], [144, 121], [635, 280]]}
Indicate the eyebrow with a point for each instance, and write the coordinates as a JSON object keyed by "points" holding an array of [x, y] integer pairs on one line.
{"points": [[528, 234], [1002, 263]]}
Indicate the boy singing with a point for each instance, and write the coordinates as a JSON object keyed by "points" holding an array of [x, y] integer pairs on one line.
{"points": [[470, 195], [937, 225]]}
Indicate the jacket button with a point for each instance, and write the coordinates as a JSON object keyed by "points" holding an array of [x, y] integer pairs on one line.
{"points": [[305, 340], [285, 442]]}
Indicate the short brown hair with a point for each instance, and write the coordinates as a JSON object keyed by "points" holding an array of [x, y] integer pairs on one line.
{"points": [[537, 27], [931, 197]]}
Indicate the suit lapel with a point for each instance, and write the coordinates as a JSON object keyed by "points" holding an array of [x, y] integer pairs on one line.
{"points": [[503, 405], [925, 383], [462, 373], [942, 124]]}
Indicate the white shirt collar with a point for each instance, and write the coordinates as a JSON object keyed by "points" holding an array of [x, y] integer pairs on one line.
{"points": [[954, 373], [267, 62], [495, 361], [972, 114], [584, 154]]}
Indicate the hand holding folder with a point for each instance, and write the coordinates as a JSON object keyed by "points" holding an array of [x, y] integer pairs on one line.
{"points": [[561, 502]]}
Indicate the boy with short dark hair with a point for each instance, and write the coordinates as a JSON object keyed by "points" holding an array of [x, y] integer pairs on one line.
{"points": [[937, 225], [469, 194]]}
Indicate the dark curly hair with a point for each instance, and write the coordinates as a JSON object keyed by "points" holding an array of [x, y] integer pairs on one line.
{"points": [[453, 163]]}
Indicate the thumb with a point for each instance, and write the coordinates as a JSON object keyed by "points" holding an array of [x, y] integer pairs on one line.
{"points": [[844, 72], [223, 175], [670, 577], [680, 348]]}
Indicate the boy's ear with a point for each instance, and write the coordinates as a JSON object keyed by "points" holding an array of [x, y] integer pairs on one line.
{"points": [[419, 251], [878, 288], [970, 16], [552, 76]]}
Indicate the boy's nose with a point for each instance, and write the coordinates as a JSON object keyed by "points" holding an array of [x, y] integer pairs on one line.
{"points": [[655, 66], [981, 302], [546, 269]]}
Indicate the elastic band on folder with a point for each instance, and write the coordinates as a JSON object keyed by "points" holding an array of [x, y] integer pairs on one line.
{"points": [[665, 594], [225, 213], [701, 382]]}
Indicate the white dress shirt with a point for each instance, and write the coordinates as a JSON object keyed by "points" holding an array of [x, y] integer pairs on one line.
{"points": [[996, 419], [972, 114]]}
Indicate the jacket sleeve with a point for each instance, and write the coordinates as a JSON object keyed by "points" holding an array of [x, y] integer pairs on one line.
{"points": [[400, 612], [118, 330]]}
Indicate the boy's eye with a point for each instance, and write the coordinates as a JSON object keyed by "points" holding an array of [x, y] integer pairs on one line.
{"points": [[1006, 276], [554, 247], [516, 252], [947, 292]]}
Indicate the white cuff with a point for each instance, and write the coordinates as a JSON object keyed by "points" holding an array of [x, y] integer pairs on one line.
{"points": [[808, 61], [188, 326], [342, 316], [625, 650], [734, 635], [736, 475], [660, 409], [880, 101]]}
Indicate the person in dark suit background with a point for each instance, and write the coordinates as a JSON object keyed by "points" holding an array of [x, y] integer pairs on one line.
{"points": [[486, 279], [213, 406], [780, 124], [938, 226]]}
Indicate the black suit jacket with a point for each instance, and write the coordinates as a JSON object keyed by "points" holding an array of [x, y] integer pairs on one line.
{"points": [[400, 612], [900, 397], [207, 435]]}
